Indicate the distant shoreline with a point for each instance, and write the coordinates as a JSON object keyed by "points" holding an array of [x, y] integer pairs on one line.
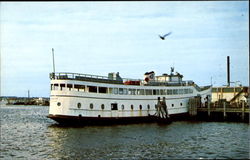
{"points": [[42, 101]]}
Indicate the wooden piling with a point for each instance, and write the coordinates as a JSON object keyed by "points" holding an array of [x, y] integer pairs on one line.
{"points": [[192, 108], [243, 110], [208, 110], [224, 110]]}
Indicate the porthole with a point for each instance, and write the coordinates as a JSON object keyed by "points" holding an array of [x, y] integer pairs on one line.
{"points": [[172, 105], [102, 106], [181, 104], [140, 107], [122, 107], [79, 105], [91, 106], [155, 106], [148, 106], [58, 103], [132, 107]]}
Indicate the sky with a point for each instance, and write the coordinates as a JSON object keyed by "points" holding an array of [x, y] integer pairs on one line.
{"points": [[101, 37]]}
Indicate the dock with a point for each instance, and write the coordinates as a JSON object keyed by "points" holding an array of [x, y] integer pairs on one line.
{"points": [[220, 111]]}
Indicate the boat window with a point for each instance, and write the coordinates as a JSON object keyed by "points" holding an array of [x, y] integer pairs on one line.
{"points": [[103, 90], [169, 92], [148, 106], [181, 91], [115, 90], [156, 92], [91, 106], [190, 91], [69, 86], [56, 86], [148, 92], [172, 105], [140, 91], [114, 106], [79, 87], [175, 91], [122, 107], [110, 90], [92, 89], [102, 106], [62, 87], [58, 103], [131, 91], [185, 91], [78, 105], [181, 104], [125, 91], [51, 86], [140, 107], [132, 107], [120, 90], [162, 92]]}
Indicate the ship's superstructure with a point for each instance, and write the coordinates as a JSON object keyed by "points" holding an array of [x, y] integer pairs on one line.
{"points": [[88, 98]]}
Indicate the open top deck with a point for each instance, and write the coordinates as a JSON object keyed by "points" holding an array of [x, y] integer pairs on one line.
{"points": [[119, 80]]}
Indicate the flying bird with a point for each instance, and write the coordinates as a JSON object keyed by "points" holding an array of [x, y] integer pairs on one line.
{"points": [[163, 37]]}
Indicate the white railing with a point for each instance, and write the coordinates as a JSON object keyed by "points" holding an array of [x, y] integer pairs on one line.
{"points": [[78, 76]]}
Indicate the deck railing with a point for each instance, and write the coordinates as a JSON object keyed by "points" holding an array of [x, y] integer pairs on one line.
{"points": [[105, 79]]}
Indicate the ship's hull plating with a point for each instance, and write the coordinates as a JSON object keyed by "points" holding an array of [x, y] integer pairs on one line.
{"points": [[76, 107]]}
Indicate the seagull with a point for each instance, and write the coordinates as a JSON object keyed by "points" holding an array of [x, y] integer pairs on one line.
{"points": [[163, 37]]}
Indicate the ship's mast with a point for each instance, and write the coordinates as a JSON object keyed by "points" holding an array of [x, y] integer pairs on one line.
{"points": [[54, 70]]}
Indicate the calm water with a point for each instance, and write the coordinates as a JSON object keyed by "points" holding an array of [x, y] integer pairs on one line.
{"points": [[27, 133]]}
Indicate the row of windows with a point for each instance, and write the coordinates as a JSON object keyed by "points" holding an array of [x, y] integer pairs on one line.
{"points": [[114, 106], [121, 91]]}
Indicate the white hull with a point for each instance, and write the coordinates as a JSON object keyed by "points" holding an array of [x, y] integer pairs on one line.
{"points": [[72, 102]]}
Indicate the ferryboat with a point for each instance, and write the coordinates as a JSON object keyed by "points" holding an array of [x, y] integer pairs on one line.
{"points": [[91, 99]]}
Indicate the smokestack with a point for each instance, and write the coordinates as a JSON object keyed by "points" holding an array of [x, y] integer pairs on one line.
{"points": [[228, 71]]}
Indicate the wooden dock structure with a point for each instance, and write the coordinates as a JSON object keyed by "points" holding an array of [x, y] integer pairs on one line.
{"points": [[220, 111]]}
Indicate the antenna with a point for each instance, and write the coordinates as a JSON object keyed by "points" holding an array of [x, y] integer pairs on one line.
{"points": [[54, 70]]}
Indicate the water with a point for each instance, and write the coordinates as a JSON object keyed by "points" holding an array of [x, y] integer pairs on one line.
{"points": [[26, 133]]}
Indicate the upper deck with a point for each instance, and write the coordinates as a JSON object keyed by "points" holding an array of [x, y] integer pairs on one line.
{"points": [[119, 80]]}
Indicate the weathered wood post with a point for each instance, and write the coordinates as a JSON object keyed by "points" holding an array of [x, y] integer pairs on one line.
{"points": [[224, 110], [208, 108], [243, 111]]}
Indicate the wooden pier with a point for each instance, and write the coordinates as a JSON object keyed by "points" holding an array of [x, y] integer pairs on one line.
{"points": [[220, 111]]}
